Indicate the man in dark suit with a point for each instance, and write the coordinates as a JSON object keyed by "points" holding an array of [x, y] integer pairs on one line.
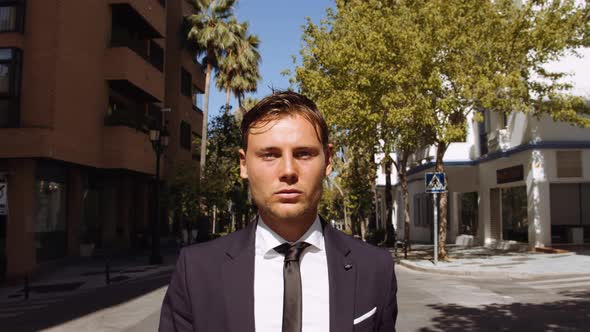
{"points": [[288, 270]]}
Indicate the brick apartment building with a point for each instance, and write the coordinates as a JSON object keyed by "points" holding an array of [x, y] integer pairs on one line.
{"points": [[81, 82]]}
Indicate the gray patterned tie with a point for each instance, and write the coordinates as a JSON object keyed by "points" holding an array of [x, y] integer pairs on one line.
{"points": [[292, 303]]}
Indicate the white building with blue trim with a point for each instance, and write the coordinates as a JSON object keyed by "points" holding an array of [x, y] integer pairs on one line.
{"points": [[515, 180]]}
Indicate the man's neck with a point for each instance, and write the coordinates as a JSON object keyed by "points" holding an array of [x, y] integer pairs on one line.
{"points": [[290, 230]]}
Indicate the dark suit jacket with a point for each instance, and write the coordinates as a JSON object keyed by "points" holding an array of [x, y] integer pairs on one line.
{"points": [[212, 288]]}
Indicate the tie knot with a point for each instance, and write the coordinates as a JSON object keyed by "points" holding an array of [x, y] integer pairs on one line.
{"points": [[293, 251]]}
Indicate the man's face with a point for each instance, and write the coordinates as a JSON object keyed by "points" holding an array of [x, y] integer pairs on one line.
{"points": [[285, 164]]}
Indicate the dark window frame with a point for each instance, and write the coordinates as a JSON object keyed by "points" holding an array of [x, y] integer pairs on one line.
{"points": [[19, 5], [186, 82], [12, 96], [185, 135], [196, 91], [156, 56], [124, 111]]}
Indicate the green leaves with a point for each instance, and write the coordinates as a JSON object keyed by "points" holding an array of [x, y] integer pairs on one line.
{"points": [[400, 75]]}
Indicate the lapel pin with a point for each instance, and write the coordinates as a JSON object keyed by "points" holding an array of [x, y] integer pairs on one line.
{"points": [[348, 267]]}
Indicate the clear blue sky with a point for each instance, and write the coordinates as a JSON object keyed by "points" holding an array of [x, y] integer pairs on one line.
{"points": [[278, 23]]}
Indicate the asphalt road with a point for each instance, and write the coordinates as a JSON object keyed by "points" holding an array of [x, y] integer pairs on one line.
{"points": [[432, 302], [427, 303]]}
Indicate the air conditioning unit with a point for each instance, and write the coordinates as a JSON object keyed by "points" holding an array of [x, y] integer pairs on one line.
{"points": [[498, 140]]}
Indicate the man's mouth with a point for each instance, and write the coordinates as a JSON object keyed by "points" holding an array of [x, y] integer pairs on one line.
{"points": [[289, 194]]}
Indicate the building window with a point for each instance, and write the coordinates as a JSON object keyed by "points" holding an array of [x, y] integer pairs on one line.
{"points": [[569, 164], [156, 57], [423, 213], [11, 16], [185, 82], [50, 210], [569, 210], [469, 206], [197, 99], [185, 135], [515, 225], [10, 72], [124, 111]]}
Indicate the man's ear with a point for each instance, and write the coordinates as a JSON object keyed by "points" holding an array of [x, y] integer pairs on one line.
{"points": [[328, 156], [243, 167]]}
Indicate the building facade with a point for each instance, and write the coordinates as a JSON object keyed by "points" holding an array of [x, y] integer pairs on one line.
{"points": [[81, 84], [516, 180]]}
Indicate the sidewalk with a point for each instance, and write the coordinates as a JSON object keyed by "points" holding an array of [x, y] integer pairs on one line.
{"points": [[493, 263], [81, 278]]}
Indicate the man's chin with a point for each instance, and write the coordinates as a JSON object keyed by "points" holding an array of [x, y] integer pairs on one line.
{"points": [[289, 213]]}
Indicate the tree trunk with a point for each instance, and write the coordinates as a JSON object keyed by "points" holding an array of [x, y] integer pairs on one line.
{"points": [[442, 234], [227, 94], [403, 178], [205, 119], [347, 224], [389, 230], [364, 223]]}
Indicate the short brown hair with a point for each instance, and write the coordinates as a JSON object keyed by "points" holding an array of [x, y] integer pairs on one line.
{"points": [[279, 104]]}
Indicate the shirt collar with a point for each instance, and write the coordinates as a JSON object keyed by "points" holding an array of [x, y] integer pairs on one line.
{"points": [[267, 239]]}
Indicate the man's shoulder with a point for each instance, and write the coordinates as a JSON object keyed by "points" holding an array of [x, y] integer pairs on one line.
{"points": [[363, 249], [214, 247]]}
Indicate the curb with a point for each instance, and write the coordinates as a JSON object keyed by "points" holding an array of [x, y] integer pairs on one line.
{"points": [[486, 274]]}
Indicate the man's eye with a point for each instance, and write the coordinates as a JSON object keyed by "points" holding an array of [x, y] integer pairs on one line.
{"points": [[269, 156], [303, 154]]}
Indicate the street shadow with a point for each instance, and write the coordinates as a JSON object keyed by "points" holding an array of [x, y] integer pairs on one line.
{"points": [[559, 316], [80, 305]]}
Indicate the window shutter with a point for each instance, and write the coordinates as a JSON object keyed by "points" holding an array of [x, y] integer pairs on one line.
{"points": [[569, 164]]}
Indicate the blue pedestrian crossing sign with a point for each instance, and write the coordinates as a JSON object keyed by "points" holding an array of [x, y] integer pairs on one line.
{"points": [[435, 182]]}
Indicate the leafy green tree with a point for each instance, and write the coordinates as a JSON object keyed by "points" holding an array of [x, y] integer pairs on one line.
{"points": [[224, 189], [358, 179], [211, 31], [492, 55], [409, 73], [359, 66], [181, 195]]}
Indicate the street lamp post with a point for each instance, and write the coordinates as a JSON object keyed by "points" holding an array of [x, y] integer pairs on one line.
{"points": [[159, 138]]}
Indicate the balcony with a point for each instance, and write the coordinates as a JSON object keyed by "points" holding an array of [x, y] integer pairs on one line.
{"points": [[149, 16], [127, 148], [26, 142], [127, 71]]}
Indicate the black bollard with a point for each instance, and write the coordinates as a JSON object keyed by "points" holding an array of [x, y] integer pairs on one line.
{"points": [[107, 272], [27, 289]]}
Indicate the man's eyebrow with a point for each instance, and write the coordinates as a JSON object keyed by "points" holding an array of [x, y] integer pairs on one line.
{"points": [[267, 148], [276, 148]]}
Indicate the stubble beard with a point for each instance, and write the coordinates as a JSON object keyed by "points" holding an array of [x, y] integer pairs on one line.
{"points": [[277, 213]]}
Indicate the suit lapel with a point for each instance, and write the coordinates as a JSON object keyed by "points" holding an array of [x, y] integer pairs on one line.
{"points": [[342, 277], [238, 281]]}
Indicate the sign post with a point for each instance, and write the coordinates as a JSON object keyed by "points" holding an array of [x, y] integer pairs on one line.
{"points": [[435, 184]]}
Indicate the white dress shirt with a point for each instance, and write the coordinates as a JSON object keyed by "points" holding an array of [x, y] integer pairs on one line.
{"points": [[268, 281]]}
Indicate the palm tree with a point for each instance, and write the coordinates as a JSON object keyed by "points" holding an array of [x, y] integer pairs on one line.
{"points": [[211, 31], [239, 68]]}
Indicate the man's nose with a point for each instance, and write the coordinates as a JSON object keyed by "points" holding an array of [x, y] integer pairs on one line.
{"points": [[288, 171]]}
